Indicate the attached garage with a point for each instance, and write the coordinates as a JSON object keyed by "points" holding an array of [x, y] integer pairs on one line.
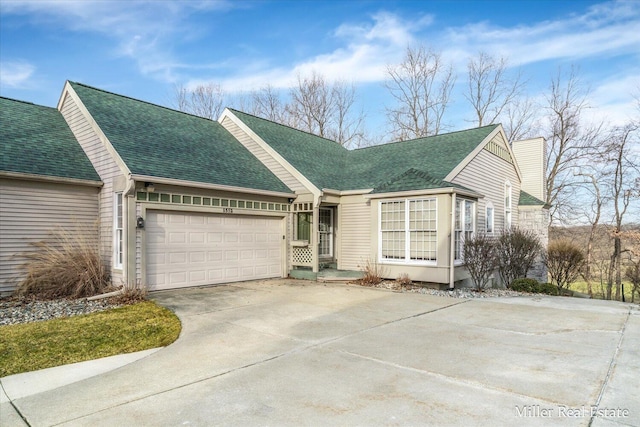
{"points": [[195, 249]]}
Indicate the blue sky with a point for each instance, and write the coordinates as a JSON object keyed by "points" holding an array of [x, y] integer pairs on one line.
{"points": [[143, 48]]}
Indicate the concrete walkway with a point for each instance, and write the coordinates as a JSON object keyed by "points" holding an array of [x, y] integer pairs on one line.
{"points": [[301, 353]]}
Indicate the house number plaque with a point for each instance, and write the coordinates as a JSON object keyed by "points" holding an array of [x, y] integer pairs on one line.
{"points": [[227, 210]]}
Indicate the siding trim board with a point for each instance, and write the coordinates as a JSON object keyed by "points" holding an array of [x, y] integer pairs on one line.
{"points": [[163, 198]]}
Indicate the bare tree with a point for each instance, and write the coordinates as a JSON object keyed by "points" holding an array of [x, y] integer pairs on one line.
{"points": [[622, 188], [326, 109], [266, 103], [592, 215], [206, 100], [490, 88], [421, 87], [519, 119], [569, 141]]}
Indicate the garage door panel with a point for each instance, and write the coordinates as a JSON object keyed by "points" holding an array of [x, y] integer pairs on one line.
{"points": [[191, 249]]}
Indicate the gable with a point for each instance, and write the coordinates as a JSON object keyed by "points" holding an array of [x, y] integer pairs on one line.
{"points": [[159, 142], [37, 141], [327, 165]]}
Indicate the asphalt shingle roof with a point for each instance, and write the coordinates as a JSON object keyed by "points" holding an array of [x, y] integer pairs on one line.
{"points": [[414, 179], [160, 142], [527, 199], [36, 140], [328, 165]]}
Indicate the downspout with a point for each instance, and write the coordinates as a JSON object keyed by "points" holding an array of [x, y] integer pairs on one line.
{"points": [[452, 233], [128, 193]]}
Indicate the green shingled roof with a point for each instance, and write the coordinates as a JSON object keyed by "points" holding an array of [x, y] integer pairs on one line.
{"points": [[165, 143], [414, 179], [36, 140], [527, 199], [328, 165]]}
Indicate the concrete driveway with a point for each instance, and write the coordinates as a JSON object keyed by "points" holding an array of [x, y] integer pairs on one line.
{"points": [[287, 352]]}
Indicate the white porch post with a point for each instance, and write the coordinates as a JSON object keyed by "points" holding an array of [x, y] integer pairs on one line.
{"points": [[452, 252]]}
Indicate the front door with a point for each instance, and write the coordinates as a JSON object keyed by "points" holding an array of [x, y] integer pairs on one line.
{"points": [[326, 233]]}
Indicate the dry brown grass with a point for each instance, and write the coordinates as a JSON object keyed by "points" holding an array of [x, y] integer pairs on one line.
{"points": [[373, 273], [404, 280], [67, 264]]}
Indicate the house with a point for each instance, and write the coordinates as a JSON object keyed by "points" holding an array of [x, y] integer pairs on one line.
{"points": [[186, 201], [46, 180]]}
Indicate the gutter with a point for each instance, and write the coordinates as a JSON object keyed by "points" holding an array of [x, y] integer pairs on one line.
{"points": [[183, 183], [48, 178], [435, 191]]}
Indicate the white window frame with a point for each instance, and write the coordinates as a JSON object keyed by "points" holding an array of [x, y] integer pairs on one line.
{"points": [[118, 230], [407, 231], [508, 201], [489, 219], [464, 227]]}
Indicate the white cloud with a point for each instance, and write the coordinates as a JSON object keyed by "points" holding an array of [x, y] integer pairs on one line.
{"points": [[367, 48], [605, 29], [15, 74]]}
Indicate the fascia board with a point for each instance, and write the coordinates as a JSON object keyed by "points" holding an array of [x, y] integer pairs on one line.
{"points": [[47, 178], [346, 192], [204, 185], [431, 192], [273, 153], [68, 89]]}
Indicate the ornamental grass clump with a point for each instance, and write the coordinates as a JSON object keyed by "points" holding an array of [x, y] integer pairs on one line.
{"points": [[65, 265]]}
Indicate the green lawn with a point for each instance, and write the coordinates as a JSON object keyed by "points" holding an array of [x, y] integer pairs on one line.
{"points": [[32, 346], [598, 291]]}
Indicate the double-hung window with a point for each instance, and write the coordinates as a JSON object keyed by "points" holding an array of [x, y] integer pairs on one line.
{"points": [[408, 231], [464, 225], [118, 231]]}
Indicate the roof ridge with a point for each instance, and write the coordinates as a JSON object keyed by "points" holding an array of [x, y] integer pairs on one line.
{"points": [[287, 126], [425, 137], [28, 103], [142, 101]]}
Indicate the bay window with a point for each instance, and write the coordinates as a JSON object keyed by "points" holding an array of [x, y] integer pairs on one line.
{"points": [[408, 230]]}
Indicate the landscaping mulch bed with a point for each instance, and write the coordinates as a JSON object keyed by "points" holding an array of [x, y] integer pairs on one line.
{"points": [[15, 310], [455, 293]]}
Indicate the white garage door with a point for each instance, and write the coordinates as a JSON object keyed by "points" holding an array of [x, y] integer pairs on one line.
{"points": [[192, 249]]}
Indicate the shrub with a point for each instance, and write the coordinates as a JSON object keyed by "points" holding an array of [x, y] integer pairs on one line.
{"points": [[404, 280], [518, 250], [480, 259], [67, 264], [547, 288], [525, 285], [564, 260], [534, 287], [373, 273]]}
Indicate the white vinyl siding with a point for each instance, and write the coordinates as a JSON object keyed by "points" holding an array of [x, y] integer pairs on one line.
{"points": [[354, 235], [261, 154], [30, 210], [486, 174], [531, 159], [107, 169], [408, 231]]}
